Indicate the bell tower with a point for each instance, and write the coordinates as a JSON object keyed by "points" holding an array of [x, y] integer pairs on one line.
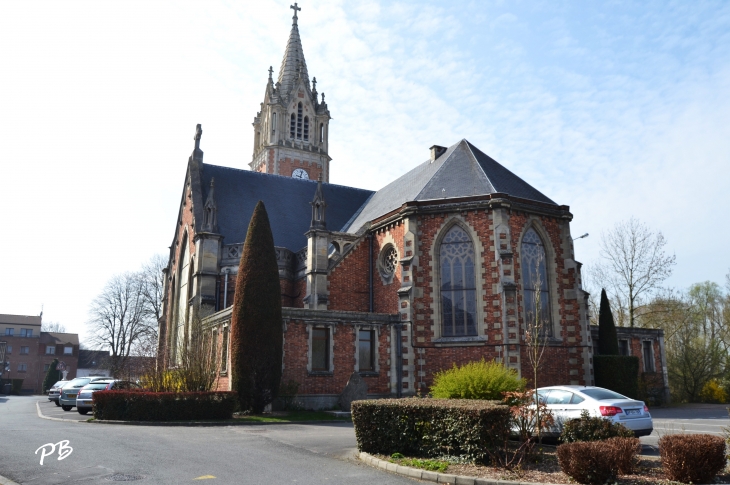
{"points": [[291, 130]]}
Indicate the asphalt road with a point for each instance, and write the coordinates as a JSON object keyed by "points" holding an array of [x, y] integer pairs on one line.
{"points": [[244, 454], [691, 418]]}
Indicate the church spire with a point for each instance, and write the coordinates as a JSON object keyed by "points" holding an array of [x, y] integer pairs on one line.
{"points": [[293, 62], [319, 207]]}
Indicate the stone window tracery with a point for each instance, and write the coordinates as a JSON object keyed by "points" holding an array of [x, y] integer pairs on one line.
{"points": [[306, 128], [458, 284], [388, 261], [299, 121], [292, 125], [535, 282]]}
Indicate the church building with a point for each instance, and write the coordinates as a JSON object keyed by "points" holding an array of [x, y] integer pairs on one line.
{"points": [[450, 263]]}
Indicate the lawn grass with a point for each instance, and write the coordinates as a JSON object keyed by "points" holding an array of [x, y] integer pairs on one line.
{"points": [[291, 417]]}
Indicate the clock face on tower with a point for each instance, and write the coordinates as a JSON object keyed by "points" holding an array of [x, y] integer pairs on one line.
{"points": [[300, 173]]}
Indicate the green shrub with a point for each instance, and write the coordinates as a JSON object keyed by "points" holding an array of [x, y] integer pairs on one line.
{"points": [[257, 334], [620, 373], [589, 462], [476, 380], [52, 376], [163, 406], [592, 428], [712, 392], [692, 458], [421, 427], [17, 386]]}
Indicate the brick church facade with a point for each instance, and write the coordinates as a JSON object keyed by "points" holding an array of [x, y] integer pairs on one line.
{"points": [[445, 265]]}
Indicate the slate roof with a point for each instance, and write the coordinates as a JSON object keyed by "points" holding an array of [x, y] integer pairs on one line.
{"points": [[286, 199], [461, 171]]}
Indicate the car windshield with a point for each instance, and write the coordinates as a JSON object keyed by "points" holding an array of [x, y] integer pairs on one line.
{"points": [[96, 386], [601, 394], [59, 383], [79, 382]]}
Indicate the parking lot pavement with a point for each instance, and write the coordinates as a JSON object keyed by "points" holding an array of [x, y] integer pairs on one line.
{"points": [[688, 418], [50, 410]]}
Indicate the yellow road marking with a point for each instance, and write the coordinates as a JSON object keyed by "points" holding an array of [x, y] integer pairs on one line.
{"points": [[204, 477]]}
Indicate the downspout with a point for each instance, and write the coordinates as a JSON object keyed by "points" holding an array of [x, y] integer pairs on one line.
{"points": [[225, 290], [217, 293], [370, 274]]}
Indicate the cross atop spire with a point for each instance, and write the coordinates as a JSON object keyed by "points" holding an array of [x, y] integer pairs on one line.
{"points": [[271, 71], [198, 135], [296, 9]]}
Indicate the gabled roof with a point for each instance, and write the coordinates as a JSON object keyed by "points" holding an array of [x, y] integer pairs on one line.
{"points": [[461, 171], [287, 202]]}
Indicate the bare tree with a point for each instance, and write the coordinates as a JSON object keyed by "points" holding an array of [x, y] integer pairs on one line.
{"points": [[152, 284], [537, 324], [52, 327], [633, 264], [119, 319]]}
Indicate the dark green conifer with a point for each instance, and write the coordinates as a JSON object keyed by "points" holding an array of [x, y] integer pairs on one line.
{"points": [[256, 323], [607, 338], [51, 376]]}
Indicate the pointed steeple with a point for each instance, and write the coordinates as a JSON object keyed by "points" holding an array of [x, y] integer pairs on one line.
{"points": [[293, 60], [319, 207], [210, 210]]}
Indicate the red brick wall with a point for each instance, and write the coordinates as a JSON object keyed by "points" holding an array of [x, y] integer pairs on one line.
{"points": [[288, 165], [348, 281], [386, 295], [296, 341]]}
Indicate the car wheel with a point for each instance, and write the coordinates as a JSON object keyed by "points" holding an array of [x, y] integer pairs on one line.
{"points": [[66, 408], [57, 403], [83, 411]]}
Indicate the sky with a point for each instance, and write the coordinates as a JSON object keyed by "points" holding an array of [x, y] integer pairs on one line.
{"points": [[617, 109]]}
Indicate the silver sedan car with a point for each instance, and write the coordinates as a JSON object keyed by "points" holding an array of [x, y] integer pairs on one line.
{"points": [[567, 402]]}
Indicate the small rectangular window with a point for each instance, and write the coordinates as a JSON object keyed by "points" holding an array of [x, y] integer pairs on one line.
{"points": [[24, 350], [68, 351], [50, 349], [366, 356], [26, 332], [648, 354], [9, 332], [623, 347], [22, 367], [320, 349], [9, 349], [46, 367]]}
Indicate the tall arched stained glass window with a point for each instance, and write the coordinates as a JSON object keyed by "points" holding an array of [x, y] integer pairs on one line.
{"points": [[458, 288], [535, 282]]}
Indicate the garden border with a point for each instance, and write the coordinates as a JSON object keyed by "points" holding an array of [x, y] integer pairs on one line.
{"points": [[434, 476]]}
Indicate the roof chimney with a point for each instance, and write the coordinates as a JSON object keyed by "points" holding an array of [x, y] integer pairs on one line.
{"points": [[436, 151]]}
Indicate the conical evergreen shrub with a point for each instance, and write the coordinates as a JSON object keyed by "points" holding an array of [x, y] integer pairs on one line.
{"points": [[607, 338], [51, 376], [256, 326]]}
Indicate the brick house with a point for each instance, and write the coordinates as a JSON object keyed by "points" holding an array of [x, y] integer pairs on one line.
{"points": [[441, 266], [30, 352]]}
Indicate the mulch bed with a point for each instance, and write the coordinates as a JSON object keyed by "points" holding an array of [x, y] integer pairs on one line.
{"points": [[545, 469]]}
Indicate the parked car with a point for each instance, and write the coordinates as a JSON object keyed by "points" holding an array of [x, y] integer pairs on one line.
{"points": [[84, 398], [55, 391], [67, 399], [567, 402]]}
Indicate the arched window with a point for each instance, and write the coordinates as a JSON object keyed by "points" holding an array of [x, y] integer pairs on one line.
{"points": [[535, 282], [182, 304], [299, 121], [273, 123], [292, 125], [306, 128], [458, 287], [321, 132]]}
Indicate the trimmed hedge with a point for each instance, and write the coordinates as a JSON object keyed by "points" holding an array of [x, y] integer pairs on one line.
{"points": [[163, 406], [620, 373], [592, 428], [692, 458], [431, 427], [588, 462]]}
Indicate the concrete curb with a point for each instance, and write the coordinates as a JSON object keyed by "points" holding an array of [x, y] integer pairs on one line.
{"points": [[41, 415], [7, 481], [434, 476], [180, 423]]}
